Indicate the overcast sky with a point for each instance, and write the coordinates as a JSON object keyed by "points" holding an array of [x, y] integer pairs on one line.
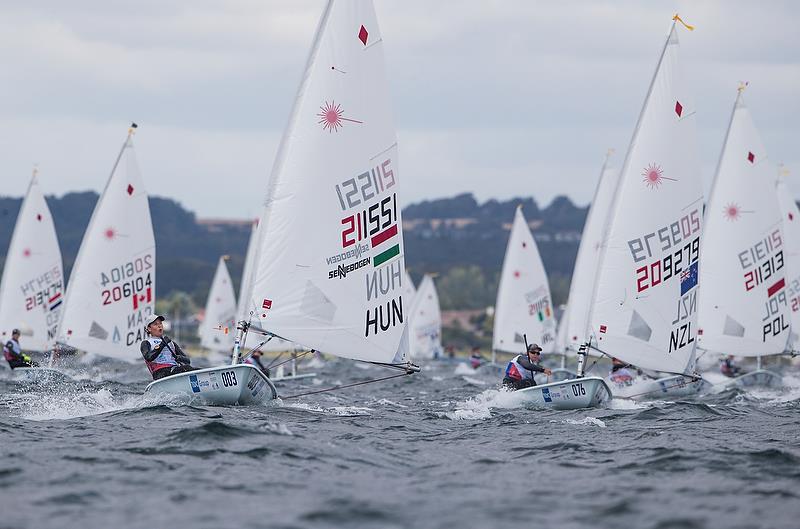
{"points": [[498, 98]]}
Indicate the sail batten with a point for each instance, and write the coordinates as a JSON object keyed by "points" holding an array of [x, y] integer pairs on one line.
{"points": [[330, 267]]}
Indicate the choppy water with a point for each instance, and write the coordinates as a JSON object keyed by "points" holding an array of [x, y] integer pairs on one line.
{"points": [[440, 449]]}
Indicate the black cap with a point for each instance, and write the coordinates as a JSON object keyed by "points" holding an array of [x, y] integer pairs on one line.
{"points": [[534, 348], [15, 331]]}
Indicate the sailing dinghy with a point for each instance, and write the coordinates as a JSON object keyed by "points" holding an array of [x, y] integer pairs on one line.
{"points": [[425, 321], [112, 284], [330, 262], [218, 328], [745, 302], [644, 303], [32, 287], [524, 308]]}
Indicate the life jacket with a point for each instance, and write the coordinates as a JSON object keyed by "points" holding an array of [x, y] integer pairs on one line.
{"points": [[623, 375], [514, 370], [12, 350], [165, 359]]}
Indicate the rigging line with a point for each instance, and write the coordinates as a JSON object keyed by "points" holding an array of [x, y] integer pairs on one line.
{"points": [[269, 366], [649, 372], [293, 358], [343, 386], [413, 368], [254, 349]]}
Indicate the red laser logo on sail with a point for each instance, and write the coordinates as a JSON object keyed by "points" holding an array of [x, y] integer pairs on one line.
{"points": [[331, 117], [732, 212], [653, 176]]}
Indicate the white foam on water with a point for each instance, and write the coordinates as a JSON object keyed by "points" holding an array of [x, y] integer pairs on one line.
{"points": [[278, 428], [628, 404], [480, 406], [475, 381], [437, 378], [387, 402], [593, 421], [339, 411], [464, 369], [70, 405]]}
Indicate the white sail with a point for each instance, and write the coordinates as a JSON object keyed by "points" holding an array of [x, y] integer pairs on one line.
{"points": [[425, 322], [644, 302], [112, 287], [524, 305], [32, 288], [575, 321], [246, 287], [409, 290], [561, 333], [218, 329], [330, 269], [791, 229], [744, 305]]}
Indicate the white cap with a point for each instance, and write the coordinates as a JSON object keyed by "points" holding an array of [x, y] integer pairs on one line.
{"points": [[152, 319]]}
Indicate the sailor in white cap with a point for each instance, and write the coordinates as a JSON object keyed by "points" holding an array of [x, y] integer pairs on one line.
{"points": [[162, 356]]}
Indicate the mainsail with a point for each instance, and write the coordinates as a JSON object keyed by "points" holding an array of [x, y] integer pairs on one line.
{"points": [[644, 302], [112, 287], [330, 267], [425, 322], [791, 229], [409, 290], [32, 288], [744, 302], [575, 321], [524, 305], [218, 329]]}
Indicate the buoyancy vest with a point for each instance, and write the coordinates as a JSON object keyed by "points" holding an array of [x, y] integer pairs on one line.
{"points": [[515, 370], [165, 359], [622, 375], [12, 350]]}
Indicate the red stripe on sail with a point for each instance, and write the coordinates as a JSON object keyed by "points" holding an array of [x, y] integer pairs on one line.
{"points": [[58, 295], [384, 235], [776, 287]]}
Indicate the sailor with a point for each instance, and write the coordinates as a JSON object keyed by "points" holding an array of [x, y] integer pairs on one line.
{"points": [[255, 360], [13, 353], [729, 368], [521, 370], [162, 356], [476, 358], [621, 372]]}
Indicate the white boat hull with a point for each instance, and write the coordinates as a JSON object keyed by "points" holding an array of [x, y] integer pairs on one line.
{"points": [[39, 375], [660, 388], [759, 378], [572, 394], [241, 384]]}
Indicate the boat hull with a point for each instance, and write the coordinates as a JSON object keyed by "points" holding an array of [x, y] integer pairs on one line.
{"points": [[572, 394], [660, 388], [241, 384], [759, 378]]}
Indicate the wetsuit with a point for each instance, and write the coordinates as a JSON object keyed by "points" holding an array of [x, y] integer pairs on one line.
{"points": [[13, 354], [256, 361], [728, 368], [164, 357], [520, 372]]}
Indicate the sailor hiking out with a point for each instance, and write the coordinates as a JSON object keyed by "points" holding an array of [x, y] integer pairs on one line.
{"points": [[13, 353], [162, 356], [521, 370]]}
